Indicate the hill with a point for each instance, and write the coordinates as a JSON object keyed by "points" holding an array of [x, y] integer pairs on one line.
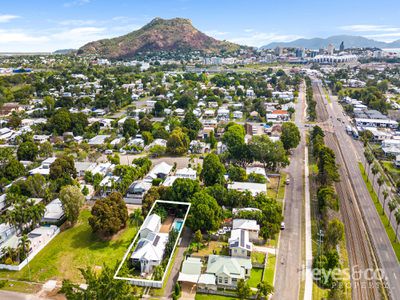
{"points": [[159, 35], [350, 41]]}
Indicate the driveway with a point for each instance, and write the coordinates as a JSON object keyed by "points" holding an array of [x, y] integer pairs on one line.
{"points": [[173, 277]]}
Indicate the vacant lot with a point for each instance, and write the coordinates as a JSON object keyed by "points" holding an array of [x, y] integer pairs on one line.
{"points": [[72, 249]]}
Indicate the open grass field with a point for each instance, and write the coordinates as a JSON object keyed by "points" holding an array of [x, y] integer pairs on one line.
{"points": [[385, 221], [74, 248]]}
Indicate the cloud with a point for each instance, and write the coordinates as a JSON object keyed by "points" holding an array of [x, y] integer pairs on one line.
{"points": [[14, 36], [369, 28], [73, 22], [7, 18], [215, 33], [76, 3], [259, 39], [249, 30], [383, 33]]}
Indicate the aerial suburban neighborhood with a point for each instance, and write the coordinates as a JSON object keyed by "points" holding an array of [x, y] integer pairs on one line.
{"points": [[161, 162]]}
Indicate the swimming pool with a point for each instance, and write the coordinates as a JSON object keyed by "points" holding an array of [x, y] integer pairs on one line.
{"points": [[178, 225]]}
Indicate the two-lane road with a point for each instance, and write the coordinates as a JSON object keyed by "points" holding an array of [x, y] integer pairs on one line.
{"points": [[289, 260]]}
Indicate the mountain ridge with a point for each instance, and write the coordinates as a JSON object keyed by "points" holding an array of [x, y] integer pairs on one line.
{"points": [[175, 34], [350, 41]]}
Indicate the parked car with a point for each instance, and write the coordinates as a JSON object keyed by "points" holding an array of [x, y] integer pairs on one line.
{"points": [[108, 151], [282, 225], [287, 181]]}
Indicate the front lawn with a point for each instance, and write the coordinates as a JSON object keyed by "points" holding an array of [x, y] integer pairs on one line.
{"points": [[213, 297], [269, 271], [255, 277], [74, 248]]}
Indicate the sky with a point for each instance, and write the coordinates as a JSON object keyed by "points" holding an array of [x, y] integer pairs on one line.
{"points": [[44, 25]]}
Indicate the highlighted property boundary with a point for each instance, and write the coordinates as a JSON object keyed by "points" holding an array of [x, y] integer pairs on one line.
{"points": [[149, 282]]}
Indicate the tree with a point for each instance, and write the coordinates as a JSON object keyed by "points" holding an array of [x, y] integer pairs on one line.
{"points": [[385, 195], [60, 122], [369, 157], [36, 185], [192, 124], [334, 233], [392, 207], [13, 169], [205, 213], [23, 247], [147, 137], [182, 189], [63, 166], [27, 151], [290, 135], [145, 125], [213, 170], [72, 200], [130, 127], [271, 154], [136, 217], [178, 142], [198, 238], [397, 216], [381, 181], [99, 286], [109, 215], [375, 170], [237, 173], [264, 289], [45, 149], [327, 168], [243, 289], [212, 140]]}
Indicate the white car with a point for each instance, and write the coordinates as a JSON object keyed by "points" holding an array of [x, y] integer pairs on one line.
{"points": [[108, 151], [282, 225]]}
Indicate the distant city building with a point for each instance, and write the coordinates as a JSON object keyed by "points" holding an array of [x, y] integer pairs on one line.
{"points": [[329, 59], [330, 49], [300, 52], [341, 47], [278, 51]]}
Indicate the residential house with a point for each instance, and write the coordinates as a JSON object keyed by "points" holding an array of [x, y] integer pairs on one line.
{"points": [[44, 168], [228, 270], [239, 243], [250, 226], [252, 187], [54, 213], [186, 173], [151, 224], [191, 270], [149, 251]]}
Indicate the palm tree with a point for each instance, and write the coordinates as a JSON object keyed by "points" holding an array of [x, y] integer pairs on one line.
{"points": [[136, 217], [392, 207], [385, 195], [380, 183], [375, 171], [23, 246], [369, 159], [397, 216]]}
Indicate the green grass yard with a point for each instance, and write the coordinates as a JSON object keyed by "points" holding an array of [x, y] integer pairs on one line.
{"points": [[74, 248], [213, 297], [385, 221], [269, 271], [255, 277]]}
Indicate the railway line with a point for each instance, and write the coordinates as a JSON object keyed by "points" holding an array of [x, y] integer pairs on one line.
{"points": [[361, 255]]}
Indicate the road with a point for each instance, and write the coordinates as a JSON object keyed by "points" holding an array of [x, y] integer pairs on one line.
{"points": [[8, 295], [380, 242], [367, 242], [173, 277], [289, 261]]}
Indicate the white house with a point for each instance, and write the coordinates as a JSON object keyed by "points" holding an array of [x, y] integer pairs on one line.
{"points": [[44, 168], [186, 173], [149, 251], [150, 225], [250, 226], [54, 212], [239, 243], [252, 187]]}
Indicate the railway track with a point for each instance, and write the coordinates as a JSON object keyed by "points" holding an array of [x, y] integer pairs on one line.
{"points": [[360, 252]]}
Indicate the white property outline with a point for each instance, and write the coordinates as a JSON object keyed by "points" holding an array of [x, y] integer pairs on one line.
{"points": [[149, 282]]}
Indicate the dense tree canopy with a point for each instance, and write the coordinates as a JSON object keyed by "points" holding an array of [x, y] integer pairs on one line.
{"points": [[205, 213], [213, 170]]}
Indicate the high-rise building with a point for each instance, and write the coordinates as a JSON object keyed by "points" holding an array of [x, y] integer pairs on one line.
{"points": [[341, 48], [330, 49]]}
